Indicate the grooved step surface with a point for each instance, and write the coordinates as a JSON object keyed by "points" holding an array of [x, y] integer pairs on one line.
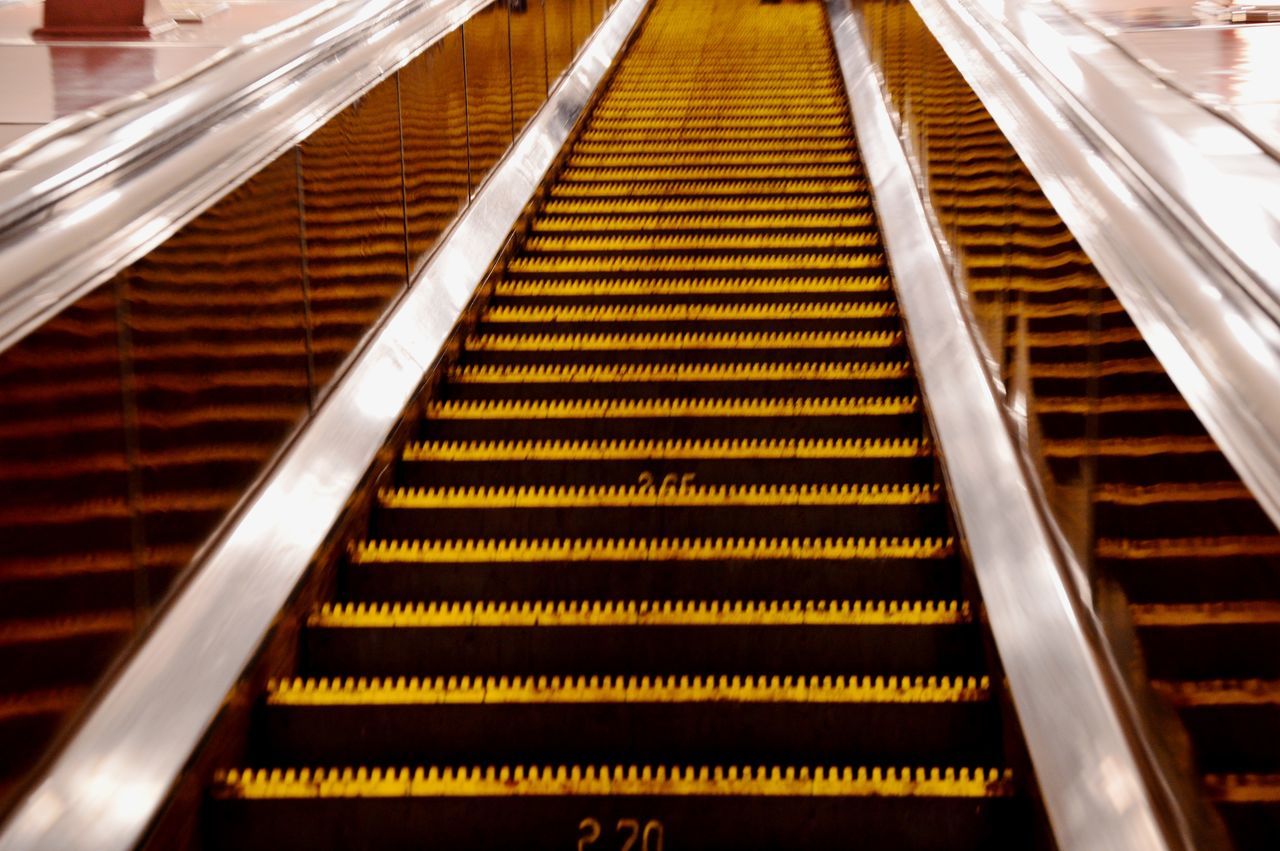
{"points": [[669, 548]]}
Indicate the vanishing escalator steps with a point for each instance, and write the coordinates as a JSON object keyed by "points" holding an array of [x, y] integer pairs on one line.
{"points": [[668, 560]]}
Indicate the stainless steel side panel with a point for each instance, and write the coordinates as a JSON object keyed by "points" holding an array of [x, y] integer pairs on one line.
{"points": [[105, 787], [1090, 779]]}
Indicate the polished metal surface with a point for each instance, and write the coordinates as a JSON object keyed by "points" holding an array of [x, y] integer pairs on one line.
{"points": [[1179, 211], [105, 787], [1090, 776], [84, 197]]}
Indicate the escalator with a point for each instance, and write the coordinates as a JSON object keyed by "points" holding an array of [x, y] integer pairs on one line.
{"points": [[669, 562]]}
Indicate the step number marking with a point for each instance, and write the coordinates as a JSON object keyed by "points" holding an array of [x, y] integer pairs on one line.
{"points": [[628, 830], [671, 482]]}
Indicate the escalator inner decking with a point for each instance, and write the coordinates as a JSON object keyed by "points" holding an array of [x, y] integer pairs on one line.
{"points": [[669, 562]]}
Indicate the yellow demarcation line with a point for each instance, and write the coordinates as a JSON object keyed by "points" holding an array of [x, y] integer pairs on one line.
{"points": [[1243, 788], [692, 286], [666, 341], [655, 450], [706, 221], [1135, 366], [1226, 546], [1193, 693], [631, 206], [762, 147], [705, 159], [689, 312], [702, 242], [691, 496], [1108, 404], [659, 133], [1170, 492], [648, 549], [624, 781], [722, 187], [638, 613], [615, 264], [1048, 339], [658, 174], [624, 689], [1206, 614], [644, 408], [628, 373], [1129, 447]]}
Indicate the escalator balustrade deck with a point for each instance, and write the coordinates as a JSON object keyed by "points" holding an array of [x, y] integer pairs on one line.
{"points": [[668, 564]]}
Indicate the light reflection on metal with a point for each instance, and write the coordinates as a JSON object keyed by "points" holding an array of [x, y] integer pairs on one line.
{"points": [[172, 152], [202, 642], [1163, 213], [1090, 778]]}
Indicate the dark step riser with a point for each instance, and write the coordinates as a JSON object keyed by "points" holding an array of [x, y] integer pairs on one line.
{"points": [[625, 733], [1235, 738], [750, 388], [889, 579], [743, 823], [679, 428], [794, 650], [705, 471], [1212, 652], [892, 521]]}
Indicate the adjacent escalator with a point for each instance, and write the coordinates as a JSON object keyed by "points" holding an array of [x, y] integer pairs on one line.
{"points": [[669, 563]]}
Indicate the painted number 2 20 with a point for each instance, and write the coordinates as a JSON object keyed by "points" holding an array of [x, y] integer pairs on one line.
{"points": [[634, 838]]}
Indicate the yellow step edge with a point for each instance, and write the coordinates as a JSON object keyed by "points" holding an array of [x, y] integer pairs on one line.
{"points": [[689, 312], [693, 286], [627, 373], [1056, 311], [655, 450], [1132, 366], [695, 263], [770, 147], [708, 159], [1109, 404], [1226, 546], [655, 242], [649, 549], [676, 188], [613, 781], [613, 613], [729, 123], [635, 496], [1165, 493], [1203, 693], [668, 133], [1243, 788], [628, 408], [1248, 612], [748, 221], [700, 341], [1128, 447], [822, 111], [412, 691], [690, 174], [723, 203]]}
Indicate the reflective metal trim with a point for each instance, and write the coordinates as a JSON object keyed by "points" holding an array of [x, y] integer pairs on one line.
{"points": [[79, 201], [1177, 209], [1090, 778], [107, 784]]}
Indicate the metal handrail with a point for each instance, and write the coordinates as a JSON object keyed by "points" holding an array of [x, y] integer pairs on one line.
{"points": [[1094, 777], [107, 783], [89, 195], [1178, 210]]}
